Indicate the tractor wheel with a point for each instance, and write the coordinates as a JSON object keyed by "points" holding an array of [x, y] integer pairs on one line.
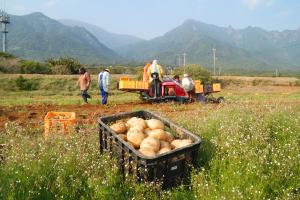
{"points": [[220, 100]]}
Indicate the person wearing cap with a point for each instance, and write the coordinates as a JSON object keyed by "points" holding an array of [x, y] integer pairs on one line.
{"points": [[188, 84], [84, 83], [103, 81], [155, 68], [176, 79], [155, 73]]}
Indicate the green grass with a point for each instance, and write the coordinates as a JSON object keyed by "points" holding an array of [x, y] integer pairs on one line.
{"points": [[55, 89], [250, 150]]}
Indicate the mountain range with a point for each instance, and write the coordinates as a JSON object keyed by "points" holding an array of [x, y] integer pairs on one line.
{"points": [[247, 48], [109, 39], [36, 36]]}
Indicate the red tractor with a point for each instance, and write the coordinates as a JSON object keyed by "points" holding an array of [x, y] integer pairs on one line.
{"points": [[170, 90]]}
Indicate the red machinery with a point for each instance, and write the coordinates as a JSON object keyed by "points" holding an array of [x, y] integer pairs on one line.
{"points": [[170, 90]]}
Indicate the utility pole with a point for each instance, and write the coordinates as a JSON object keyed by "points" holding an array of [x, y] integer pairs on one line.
{"points": [[179, 60], [184, 54], [214, 53], [276, 73], [4, 20]]}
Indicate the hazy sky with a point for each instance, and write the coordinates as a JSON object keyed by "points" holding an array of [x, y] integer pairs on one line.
{"points": [[150, 18]]}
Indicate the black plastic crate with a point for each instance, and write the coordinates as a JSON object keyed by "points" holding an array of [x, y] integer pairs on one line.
{"points": [[171, 168]]}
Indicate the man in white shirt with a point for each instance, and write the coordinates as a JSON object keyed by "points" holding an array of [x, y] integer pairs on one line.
{"points": [[103, 81], [188, 84]]}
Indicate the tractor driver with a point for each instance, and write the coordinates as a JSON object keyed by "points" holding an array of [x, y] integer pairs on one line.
{"points": [[155, 74]]}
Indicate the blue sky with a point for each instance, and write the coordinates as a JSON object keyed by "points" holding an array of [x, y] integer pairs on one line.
{"points": [[151, 18]]}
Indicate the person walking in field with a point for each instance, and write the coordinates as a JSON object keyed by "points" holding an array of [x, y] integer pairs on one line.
{"points": [[103, 81], [84, 83]]}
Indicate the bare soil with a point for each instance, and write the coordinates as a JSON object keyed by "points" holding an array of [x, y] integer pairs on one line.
{"points": [[33, 115]]}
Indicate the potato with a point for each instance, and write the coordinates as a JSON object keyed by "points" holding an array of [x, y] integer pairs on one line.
{"points": [[119, 127], [155, 124], [131, 144], [147, 131], [131, 120], [127, 126], [147, 152], [181, 143], [140, 128], [151, 143], [185, 142], [175, 143], [158, 134], [169, 137], [164, 150], [123, 137], [136, 137], [164, 144], [137, 122]]}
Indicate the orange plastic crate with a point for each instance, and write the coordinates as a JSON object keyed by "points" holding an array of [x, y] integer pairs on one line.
{"points": [[59, 122], [124, 78], [198, 87], [216, 87], [128, 84], [141, 85]]}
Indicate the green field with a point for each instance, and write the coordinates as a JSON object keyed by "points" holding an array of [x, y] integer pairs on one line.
{"points": [[250, 148]]}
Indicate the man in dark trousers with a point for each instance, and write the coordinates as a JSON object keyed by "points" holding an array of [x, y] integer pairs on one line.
{"points": [[103, 81], [84, 83]]}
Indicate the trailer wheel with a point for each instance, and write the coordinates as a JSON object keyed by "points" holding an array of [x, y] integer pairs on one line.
{"points": [[221, 100]]}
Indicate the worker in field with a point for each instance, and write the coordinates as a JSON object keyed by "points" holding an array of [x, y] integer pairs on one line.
{"points": [[145, 74], [154, 69], [155, 73], [103, 82], [176, 79], [188, 85], [84, 83]]}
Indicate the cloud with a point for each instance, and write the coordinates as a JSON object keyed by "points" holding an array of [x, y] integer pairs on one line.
{"points": [[253, 4]]}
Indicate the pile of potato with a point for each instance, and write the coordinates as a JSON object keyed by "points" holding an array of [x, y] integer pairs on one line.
{"points": [[148, 136]]}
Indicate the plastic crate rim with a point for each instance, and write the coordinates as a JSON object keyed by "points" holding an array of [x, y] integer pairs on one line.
{"points": [[195, 143]]}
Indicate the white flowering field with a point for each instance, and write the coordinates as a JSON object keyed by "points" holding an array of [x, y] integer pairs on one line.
{"points": [[250, 150]]}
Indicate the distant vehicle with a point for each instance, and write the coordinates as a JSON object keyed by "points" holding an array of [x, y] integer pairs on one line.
{"points": [[171, 91]]}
